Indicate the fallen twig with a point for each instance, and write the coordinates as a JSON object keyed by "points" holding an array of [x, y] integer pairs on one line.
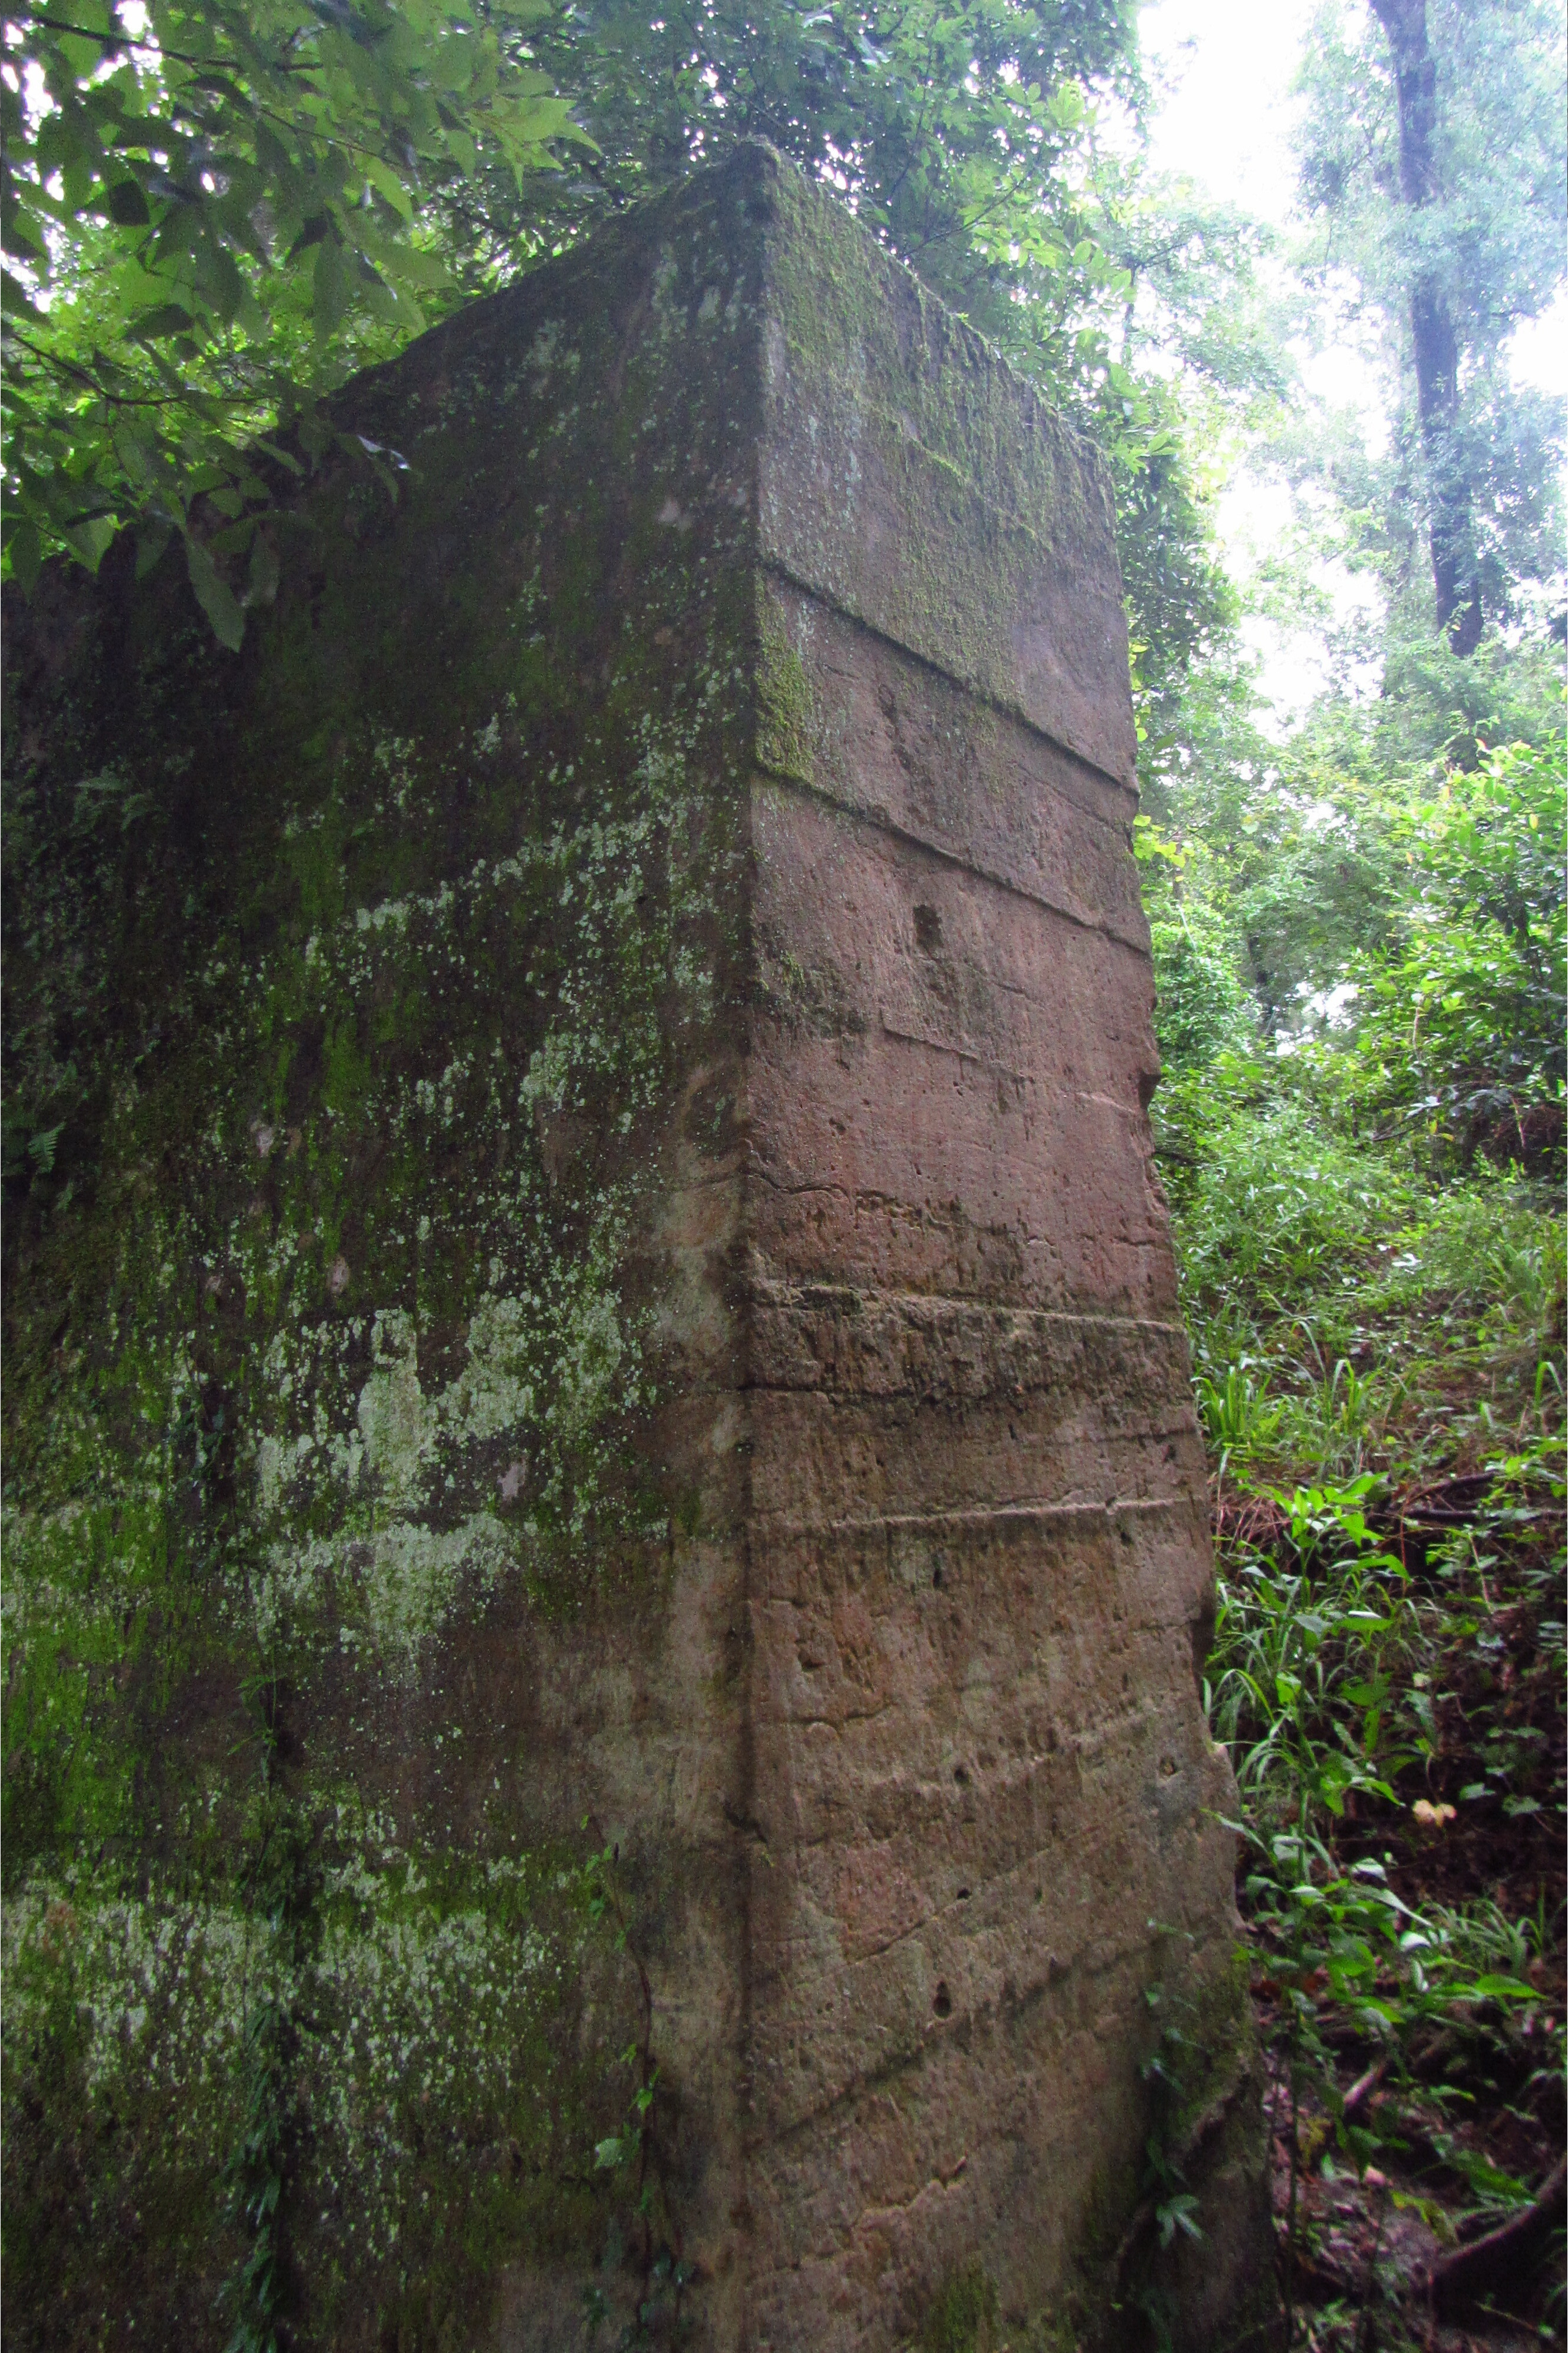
{"points": [[1361, 2089]]}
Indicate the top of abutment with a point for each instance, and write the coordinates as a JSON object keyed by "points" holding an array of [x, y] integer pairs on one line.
{"points": [[894, 465]]}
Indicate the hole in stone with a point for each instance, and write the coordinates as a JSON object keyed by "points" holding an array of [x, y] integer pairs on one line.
{"points": [[963, 1894], [960, 1774], [943, 2005], [928, 929], [936, 1576]]}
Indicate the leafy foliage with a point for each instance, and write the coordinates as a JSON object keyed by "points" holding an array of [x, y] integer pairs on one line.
{"points": [[1460, 1020], [211, 211], [1362, 1012], [1359, 944], [949, 130]]}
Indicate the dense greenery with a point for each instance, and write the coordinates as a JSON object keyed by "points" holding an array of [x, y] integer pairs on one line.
{"points": [[1360, 946], [1371, 1247], [1359, 939]]}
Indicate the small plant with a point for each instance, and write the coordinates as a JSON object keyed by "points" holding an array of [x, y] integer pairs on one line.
{"points": [[1239, 1417], [1175, 2206], [256, 2175], [281, 1887], [1337, 1418], [1300, 1670], [629, 2158]]}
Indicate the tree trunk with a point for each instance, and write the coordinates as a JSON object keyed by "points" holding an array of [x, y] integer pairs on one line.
{"points": [[1432, 333]]}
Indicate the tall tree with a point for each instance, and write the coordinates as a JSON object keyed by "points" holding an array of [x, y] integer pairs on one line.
{"points": [[1434, 344], [1433, 159]]}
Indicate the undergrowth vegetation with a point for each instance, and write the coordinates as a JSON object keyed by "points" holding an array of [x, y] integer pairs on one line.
{"points": [[1366, 1184]]}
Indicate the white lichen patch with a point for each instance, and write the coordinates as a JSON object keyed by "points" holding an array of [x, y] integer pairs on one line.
{"points": [[160, 1992], [398, 1424], [417, 1575], [548, 1377], [590, 1366], [431, 2019], [496, 1392]]}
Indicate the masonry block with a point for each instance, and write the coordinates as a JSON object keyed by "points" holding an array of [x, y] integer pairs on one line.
{"points": [[606, 1546]]}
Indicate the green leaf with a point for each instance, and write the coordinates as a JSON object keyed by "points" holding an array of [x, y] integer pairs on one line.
{"points": [[387, 184], [17, 298], [128, 206], [425, 272], [151, 539], [214, 595], [332, 288], [159, 323], [26, 553], [219, 275], [1495, 1987], [89, 540]]}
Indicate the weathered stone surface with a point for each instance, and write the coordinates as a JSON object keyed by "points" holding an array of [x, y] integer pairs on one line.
{"points": [[606, 1538]]}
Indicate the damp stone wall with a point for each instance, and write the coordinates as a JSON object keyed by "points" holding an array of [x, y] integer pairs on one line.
{"points": [[605, 1549]]}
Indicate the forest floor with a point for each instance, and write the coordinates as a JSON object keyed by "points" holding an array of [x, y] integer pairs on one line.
{"points": [[1388, 1671]]}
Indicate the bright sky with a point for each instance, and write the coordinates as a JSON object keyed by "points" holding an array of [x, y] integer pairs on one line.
{"points": [[1227, 123]]}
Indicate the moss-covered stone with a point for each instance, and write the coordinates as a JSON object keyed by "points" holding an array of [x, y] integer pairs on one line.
{"points": [[410, 1926], [966, 2316], [356, 983]]}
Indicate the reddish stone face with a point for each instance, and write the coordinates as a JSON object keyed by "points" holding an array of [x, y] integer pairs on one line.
{"points": [[609, 1237], [978, 1556]]}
